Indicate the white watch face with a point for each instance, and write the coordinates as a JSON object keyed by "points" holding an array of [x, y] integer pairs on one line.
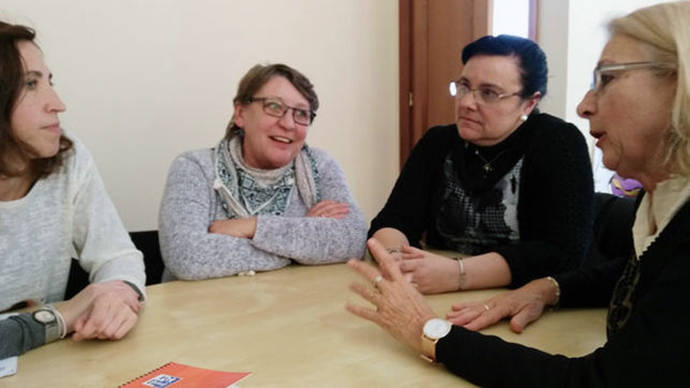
{"points": [[436, 328], [44, 316]]}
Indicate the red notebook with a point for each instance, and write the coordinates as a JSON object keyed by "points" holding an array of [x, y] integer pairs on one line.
{"points": [[176, 375]]}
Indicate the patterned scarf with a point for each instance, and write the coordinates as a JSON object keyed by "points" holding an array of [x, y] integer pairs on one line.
{"points": [[245, 191]]}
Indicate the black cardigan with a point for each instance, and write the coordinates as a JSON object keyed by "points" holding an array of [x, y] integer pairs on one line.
{"points": [[650, 350], [555, 197]]}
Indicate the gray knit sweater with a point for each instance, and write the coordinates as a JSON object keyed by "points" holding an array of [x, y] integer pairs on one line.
{"points": [[190, 204]]}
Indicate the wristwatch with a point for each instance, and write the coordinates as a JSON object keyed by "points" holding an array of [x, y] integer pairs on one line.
{"points": [[49, 320], [434, 330]]}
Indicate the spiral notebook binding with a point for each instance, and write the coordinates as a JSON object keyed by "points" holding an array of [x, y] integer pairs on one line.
{"points": [[152, 371]]}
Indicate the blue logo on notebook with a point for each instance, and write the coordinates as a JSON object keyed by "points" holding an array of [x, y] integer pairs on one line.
{"points": [[162, 381]]}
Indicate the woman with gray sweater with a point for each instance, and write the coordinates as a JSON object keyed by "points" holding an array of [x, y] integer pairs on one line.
{"points": [[261, 198]]}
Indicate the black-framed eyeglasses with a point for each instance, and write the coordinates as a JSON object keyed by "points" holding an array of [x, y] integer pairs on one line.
{"points": [[273, 106], [482, 94], [602, 73]]}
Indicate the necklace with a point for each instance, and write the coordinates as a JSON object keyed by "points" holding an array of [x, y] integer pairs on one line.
{"points": [[487, 167]]}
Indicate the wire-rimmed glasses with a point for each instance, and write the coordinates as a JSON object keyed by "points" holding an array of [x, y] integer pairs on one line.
{"points": [[482, 94], [273, 106]]}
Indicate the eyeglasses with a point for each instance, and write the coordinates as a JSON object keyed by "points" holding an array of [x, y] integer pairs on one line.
{"points": [[274, 107], [602, 74], [486, 95]]}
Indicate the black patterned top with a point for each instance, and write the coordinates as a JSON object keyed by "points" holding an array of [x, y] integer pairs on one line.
{"points": [[533, 207]]}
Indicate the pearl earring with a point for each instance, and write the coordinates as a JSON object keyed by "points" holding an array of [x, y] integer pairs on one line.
{"points": [[523, 117]]}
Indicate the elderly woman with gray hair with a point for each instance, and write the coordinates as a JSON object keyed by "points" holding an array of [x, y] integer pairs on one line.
{"points": [[261, 198], [638, 111]]}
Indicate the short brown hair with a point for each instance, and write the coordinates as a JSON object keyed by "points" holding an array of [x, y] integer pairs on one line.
{"points": [[257, 77], [11, 81]]}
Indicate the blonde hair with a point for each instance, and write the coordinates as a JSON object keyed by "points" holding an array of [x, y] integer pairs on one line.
{"points": [[665, 28]]}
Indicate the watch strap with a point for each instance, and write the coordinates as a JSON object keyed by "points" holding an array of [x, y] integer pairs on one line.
{"points": [[428, 348], [51, 328]]}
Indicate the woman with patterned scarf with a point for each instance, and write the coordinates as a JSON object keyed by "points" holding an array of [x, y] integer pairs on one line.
{"points": [[261, 198]]}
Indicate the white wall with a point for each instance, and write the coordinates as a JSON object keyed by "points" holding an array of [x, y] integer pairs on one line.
{"points": [[146, 80], [572, 34]]}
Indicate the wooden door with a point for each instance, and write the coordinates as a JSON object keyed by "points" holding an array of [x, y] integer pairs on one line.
{"points": [[432, 35]]}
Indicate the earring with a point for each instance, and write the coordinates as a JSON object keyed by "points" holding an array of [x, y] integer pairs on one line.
{"points": [[523, 117]]}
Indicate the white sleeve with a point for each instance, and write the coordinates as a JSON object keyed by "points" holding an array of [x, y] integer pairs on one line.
{"points": [[100, 240]]}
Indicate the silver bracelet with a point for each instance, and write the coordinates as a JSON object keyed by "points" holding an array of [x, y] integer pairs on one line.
{"points": [[463, 274], [558, 290]]}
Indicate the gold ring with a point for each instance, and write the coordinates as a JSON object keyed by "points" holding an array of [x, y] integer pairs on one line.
{"points": [[486, 307], [377, 280]]}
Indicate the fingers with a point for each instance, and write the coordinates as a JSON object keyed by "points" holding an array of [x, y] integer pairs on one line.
{"points": [[328, 208], [388, 264], [78, 327], [363, 312], [321, 205], [523, 318], [485, 319], [109, 318], [410, 250], [367, 270], [462, 305], [367, 293], [463, 316], [113, 329], [412, 255], [476, 315], [123, 322], [220, 227], [408, 265], [370, 295]]}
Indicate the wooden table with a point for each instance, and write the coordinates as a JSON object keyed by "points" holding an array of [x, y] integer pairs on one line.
{"points": [[288, 327]]}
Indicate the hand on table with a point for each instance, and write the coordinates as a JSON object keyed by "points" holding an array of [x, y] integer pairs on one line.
{"points": [[524, 305], [429, 272], [400, 309], [328, 208], [105, 310], [236, 227]]}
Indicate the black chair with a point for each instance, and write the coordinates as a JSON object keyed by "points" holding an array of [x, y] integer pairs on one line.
{"points": [[146, 242]]}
